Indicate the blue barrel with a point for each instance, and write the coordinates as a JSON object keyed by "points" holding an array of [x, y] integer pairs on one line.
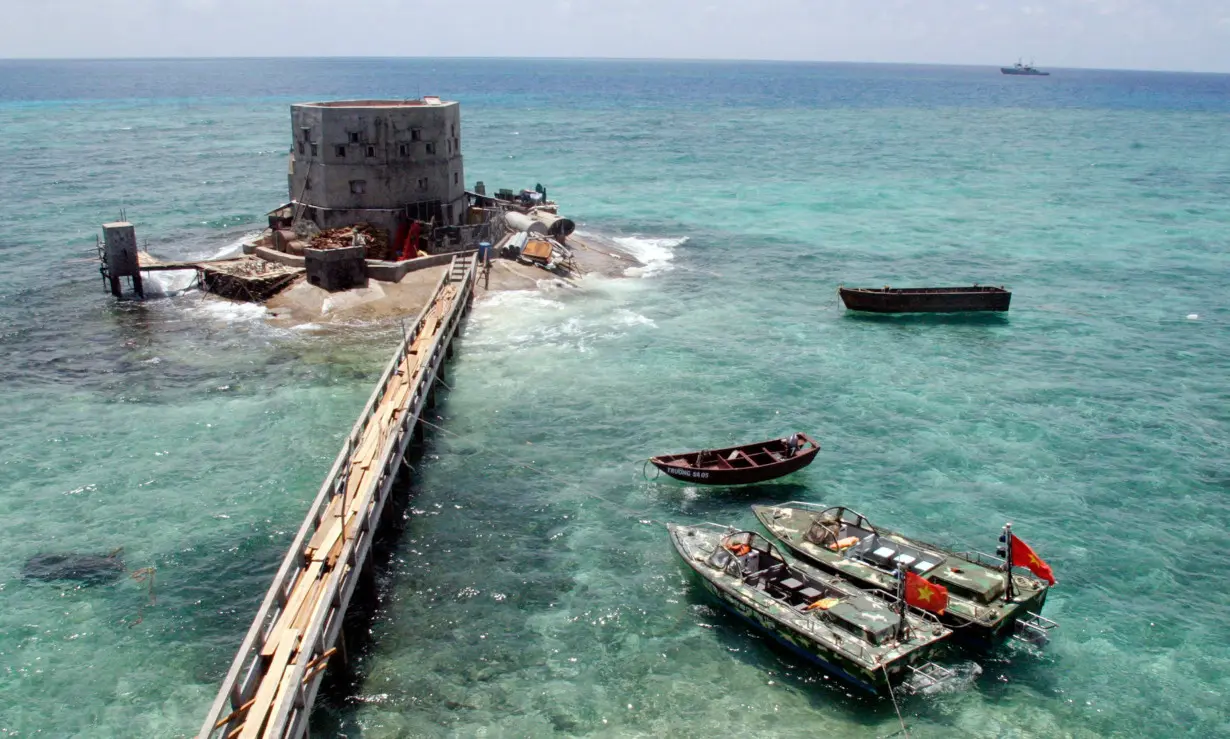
{"points": [[483, 248]]}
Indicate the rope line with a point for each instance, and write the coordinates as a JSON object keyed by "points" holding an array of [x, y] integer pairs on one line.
{"points": [[894, 697]]}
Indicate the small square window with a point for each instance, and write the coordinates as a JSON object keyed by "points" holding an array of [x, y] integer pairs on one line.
{"points": [[358, 187], [371, 151], [456, 178], [339, 150], [354, 137], [453, 129], [416, 134], [431, 147], [403, 150], [422, 183], [315, 151], [307, 133], [301, 147]]}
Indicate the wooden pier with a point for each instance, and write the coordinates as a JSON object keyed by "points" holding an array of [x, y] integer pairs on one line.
{"points": [[273, 681]]}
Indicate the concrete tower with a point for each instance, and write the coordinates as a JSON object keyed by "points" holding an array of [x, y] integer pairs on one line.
{"points": [[383, 162]]}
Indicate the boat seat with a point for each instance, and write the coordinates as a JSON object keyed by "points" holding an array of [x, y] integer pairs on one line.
{"points": [[882, 556], [790, 584]]}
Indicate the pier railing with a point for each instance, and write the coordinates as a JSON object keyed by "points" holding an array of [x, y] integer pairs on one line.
{"points": [[283, 701]]}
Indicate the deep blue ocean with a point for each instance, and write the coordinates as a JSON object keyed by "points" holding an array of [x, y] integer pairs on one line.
{"points": [[533, 591]]}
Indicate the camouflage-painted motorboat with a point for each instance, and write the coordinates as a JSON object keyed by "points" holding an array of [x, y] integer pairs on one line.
{"points": [[985, 606], [868, 639]]}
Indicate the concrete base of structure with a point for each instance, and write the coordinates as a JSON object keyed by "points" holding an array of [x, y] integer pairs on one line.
{"points": [[336, 269]]}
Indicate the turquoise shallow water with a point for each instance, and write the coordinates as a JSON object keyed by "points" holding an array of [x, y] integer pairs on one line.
{"points": [[533, 591]]}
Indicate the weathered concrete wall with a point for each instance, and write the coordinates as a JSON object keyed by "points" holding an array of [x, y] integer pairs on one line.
{"points": [[394, 271], [336, 269], [351, 156], [376, 269], [120, 249]]}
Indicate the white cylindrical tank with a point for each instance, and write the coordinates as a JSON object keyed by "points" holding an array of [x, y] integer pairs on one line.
{"points": [[557, 226], [522, 222]]}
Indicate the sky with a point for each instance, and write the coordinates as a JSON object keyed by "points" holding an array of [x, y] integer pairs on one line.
{"points": [[1187, 35]]}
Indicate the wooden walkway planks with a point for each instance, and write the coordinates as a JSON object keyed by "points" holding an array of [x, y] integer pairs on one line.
{"points": [[303, 610]]}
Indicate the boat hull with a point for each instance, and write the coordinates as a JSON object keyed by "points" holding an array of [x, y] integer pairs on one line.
{"points": [[1024, 73], [926, 300], [875, 681], [720, 472], [981, 635], [826, 660]]}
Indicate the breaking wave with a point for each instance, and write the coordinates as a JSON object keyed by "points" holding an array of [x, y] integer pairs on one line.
{"points": [[655, 254]]}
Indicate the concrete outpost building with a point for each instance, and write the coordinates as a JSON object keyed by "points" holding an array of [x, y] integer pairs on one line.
{"points": [[382, 162]]}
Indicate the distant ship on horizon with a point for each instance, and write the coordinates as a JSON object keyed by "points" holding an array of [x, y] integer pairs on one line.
{"points": [[1028, 70]]}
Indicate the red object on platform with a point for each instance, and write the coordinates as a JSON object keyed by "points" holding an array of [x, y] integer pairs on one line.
{"points": [[411, 248]]}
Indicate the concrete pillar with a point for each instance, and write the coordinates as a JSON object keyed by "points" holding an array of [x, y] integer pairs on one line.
{"points": [[120, 256]]}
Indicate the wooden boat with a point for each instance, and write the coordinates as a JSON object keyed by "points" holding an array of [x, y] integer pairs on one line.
{"points": [[925, 299], [985, 605], [740, 465], [867, 639]]}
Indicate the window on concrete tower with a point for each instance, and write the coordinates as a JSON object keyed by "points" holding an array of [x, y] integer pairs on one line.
{"points": [[416, 134], [422, 183], [456, 178], [339, 150], [314, 150], [431, 147], [358, 187], [354, 137], [371, 151], [301, 147], [403, 150]]}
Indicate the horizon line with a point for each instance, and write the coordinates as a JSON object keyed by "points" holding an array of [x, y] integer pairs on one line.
{"points": [[576, 59]]}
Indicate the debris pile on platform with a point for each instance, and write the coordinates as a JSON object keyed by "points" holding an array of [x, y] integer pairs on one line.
{"points": [[249, 278], [374, 240]]}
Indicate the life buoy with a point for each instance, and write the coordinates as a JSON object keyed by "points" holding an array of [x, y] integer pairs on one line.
{"points": [[845, 543], [738, 549]]}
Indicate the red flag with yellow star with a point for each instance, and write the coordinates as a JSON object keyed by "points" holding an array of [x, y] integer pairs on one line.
{"points": [[1023, 556], [926, 595]]}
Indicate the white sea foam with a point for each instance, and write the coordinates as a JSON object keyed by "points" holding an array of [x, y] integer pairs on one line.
{"points": [[232, 312], [235, 247], [655, 254], [172, 282], [625, 317]]}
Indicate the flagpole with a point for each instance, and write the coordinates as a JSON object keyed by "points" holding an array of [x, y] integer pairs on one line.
{"points": [[1006, 538], [901, 625]]}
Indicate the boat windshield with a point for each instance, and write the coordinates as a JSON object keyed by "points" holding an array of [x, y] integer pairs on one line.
{"points": [[743, 553], [839, 527]]}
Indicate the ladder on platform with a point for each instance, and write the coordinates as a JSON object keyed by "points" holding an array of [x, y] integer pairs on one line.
{"points": [[461, 265]]}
